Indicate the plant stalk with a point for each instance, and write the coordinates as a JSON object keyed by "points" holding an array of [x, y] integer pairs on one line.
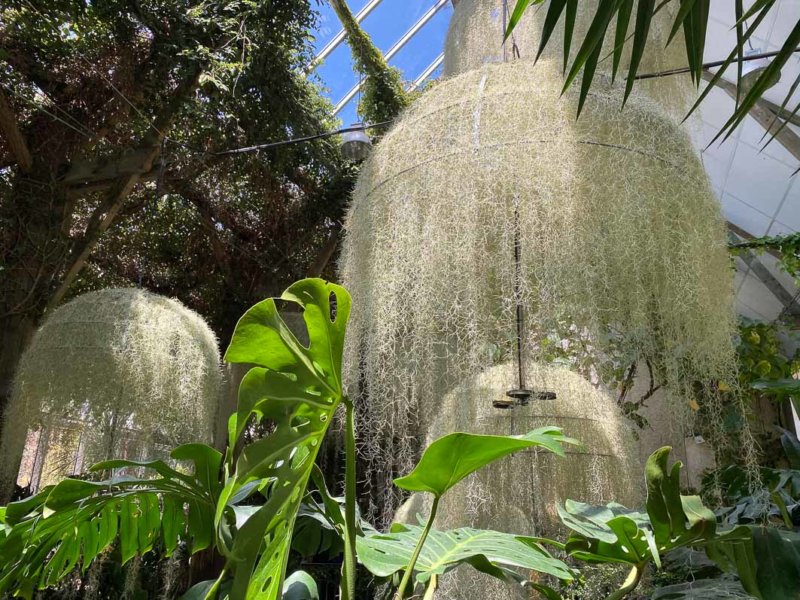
{"points": [[630, 583], [430, 591], [348, 585], [212, 592], [413, 562]]}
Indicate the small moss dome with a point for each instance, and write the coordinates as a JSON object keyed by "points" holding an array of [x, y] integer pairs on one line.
{"points": [[520, 493], [130, 372]]}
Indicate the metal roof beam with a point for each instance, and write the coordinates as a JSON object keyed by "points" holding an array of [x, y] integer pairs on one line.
{"points": [[339, 37], [426, 73], [423, 20]]}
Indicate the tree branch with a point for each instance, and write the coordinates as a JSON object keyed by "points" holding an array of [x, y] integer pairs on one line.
{"points": [[325, 254], [10, 129], [104, 215]]}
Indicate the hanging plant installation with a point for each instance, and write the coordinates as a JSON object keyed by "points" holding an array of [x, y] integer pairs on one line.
{"points": [[522, 492], [622, 245], [131, 373]]}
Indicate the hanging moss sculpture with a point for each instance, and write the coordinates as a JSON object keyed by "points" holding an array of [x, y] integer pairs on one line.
{"points": [[130, 372], [622, 246], [519, 494], [476, 32]]}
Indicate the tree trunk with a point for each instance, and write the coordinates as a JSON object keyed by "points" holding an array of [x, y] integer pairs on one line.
{"points": [[35, 246], [17, 331]]}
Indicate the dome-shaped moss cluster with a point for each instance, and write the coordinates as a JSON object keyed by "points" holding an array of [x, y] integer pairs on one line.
{"points": [[130, 373]]}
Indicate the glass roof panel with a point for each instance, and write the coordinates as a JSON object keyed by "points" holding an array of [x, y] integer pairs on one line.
{"points": [[386, 25]]}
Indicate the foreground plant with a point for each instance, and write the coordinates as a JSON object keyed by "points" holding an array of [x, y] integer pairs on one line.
{"points": [[446, 462], [244, 504], [615, 534], [297, 389]]}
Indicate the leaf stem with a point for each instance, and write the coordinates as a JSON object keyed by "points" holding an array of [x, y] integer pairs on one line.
{"points": [[211, 594], [413, 562], [348, 585], [630, 583], [430, 591]]}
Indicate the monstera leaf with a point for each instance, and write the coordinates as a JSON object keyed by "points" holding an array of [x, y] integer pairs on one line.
{"points": [[453, 457], [298, 389], [613, 533], [44, 537], [490, 552], [444, 463]]}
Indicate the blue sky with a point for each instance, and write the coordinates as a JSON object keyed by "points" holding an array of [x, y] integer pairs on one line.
{"points": [[385, 24]]}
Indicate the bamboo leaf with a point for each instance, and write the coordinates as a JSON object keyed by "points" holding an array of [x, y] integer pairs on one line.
{"points": [[569, 30], [680, 18], [764, 81], [623, 20], [588, 75], [594, 39], [694, 30], [718, 75], [758, 6], [644, 17], [516, 15], [739, 9], [554, 12], [773, 133]]}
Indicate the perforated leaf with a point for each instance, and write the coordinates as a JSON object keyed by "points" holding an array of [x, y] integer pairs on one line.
{"points": [[386, 554], [298, 389]]}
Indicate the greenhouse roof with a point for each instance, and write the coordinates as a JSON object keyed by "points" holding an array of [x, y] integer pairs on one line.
{"points": [[757, 189]]}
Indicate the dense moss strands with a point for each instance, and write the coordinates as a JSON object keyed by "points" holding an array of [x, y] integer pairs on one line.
{"points": [[519, 494], [476, 33], [623, 245], [131, 371]]}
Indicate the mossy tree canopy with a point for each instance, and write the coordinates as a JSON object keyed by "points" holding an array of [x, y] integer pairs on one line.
{"points": [[110, 115]]}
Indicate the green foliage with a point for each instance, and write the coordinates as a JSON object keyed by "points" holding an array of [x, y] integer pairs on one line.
{"points": [[762, 356], [246, 208], [787, 245], [246, 506], [70, 524], [613, 533], [411, 549], [702, 589], [450, 459], [691, 17], [298, 389], [490, 552], [778, 501], [320, 526], [384, 95], [778, 556]]}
